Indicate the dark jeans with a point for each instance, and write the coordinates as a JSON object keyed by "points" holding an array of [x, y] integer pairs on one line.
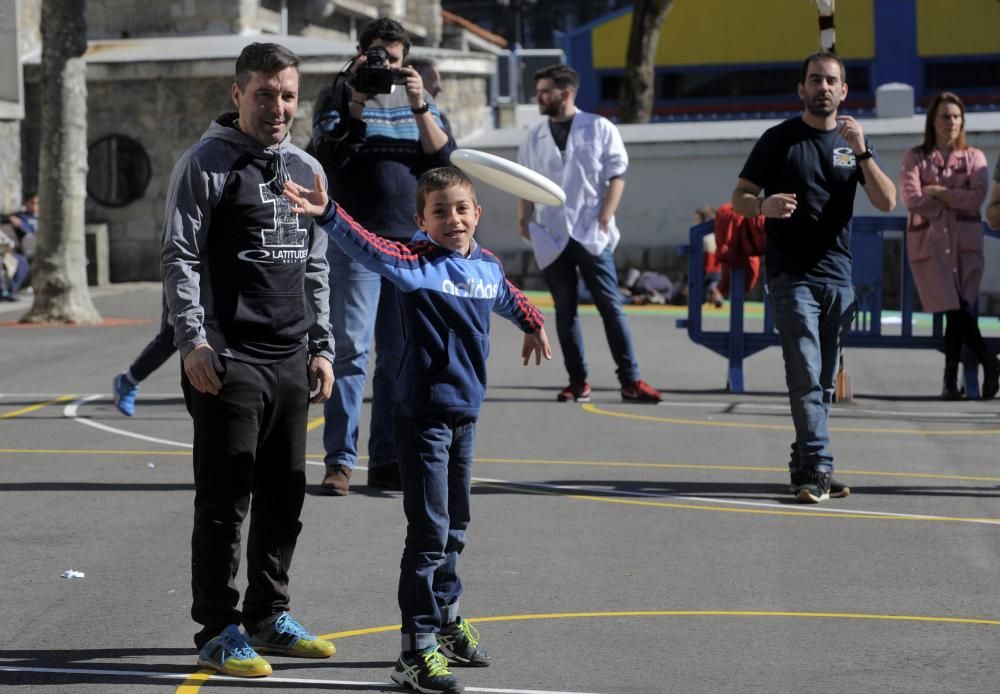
{"points": [[363, 305], [435, 463], [812, 319], [156, 353], [599, 276], [249, 441], [962, 328]]}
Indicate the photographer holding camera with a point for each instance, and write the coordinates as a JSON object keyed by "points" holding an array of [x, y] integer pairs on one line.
{"points": [[375, 131]]}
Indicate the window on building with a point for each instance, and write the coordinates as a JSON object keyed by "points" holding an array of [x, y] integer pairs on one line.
{"points": [[119, 170], [962, 75], [723, 85]]}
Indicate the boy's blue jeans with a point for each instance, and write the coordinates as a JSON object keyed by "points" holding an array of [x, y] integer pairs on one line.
{"points": [[435, 464], [812, 319]]}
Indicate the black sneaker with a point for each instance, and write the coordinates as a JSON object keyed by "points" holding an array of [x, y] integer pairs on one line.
{"points": [[425, 671], [385, 477], [838, 490], [811, 486], [459, 642]]}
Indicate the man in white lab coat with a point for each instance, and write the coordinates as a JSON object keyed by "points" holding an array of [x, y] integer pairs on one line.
{"points": [[584, 154]]}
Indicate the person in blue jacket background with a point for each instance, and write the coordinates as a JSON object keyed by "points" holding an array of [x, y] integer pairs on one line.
{"points": [[448, 286]]}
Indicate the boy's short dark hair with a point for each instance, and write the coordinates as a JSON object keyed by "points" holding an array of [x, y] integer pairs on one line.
{"points": [[28, 195], [387, 29], [563, 75], [440, 178], [815, 58], [265, 58]]}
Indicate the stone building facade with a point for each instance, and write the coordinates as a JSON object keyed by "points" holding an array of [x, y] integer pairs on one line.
{"points": [[158, 73]]}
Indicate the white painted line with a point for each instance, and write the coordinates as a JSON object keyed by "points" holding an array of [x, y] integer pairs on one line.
{"points": [[71, 410], [732, 502], [381, 686]]}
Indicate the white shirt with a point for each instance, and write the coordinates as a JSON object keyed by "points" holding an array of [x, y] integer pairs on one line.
{"points": [[594, 155]]}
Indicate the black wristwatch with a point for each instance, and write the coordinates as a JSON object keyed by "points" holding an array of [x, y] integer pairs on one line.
{"points": [[421, 109], [867, 154]]}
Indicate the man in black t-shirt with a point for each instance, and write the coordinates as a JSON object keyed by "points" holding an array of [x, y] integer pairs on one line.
{"points": [[808, 168]]}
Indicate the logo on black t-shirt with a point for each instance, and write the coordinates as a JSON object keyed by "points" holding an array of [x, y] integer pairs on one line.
{"points": [[843, 157], [285, 242]]}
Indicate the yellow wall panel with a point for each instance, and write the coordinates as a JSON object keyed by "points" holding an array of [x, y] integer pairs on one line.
{"points": [[711, 32], [958, 27]]}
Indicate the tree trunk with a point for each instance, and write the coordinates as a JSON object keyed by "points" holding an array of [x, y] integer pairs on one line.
{"points": [[639, 79], [59, 269]]}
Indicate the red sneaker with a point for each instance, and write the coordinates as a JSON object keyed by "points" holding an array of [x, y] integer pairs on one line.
{"points": [[577, 392], [640, 391]]}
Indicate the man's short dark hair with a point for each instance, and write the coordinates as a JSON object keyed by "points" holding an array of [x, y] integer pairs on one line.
{"points": [[563, 75], [440, 178], [815, 58], [387, 29], [265, 58]]}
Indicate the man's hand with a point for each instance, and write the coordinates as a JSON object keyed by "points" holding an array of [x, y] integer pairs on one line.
{"points": [[305, 201], [202, 366], [851, 131], [537, 344], [320, 379], [414, 85], [779, 205]]}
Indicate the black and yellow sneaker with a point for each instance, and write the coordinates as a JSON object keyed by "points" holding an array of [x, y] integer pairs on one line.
{"points": [[426, 671], [459, 642], [285, 636], [230, 654]]}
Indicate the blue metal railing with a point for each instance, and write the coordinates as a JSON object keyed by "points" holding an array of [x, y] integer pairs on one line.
{"points": [[867, 245]]}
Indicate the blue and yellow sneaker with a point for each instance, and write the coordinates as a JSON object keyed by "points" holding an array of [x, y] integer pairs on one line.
{"points": [[426, 671], [459, 642], [230, 654], [285, 636], [124, 393]]}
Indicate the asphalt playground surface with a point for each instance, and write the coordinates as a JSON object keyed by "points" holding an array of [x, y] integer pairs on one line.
{"points": [[614, 547]]}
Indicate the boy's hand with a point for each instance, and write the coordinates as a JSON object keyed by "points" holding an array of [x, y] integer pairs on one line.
{"points": [[305, 201], [537, 343]]}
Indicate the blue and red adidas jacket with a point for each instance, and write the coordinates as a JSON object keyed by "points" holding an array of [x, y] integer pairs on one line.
{"points": [[446, 300]]}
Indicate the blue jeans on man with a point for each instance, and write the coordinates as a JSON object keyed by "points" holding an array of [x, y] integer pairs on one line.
{"points": [[361, 300], [599, 276], [435, 463], [812, 319]]}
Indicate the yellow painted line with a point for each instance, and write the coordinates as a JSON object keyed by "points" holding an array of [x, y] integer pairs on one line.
{"points": [[731, 468], [194, 681], [609, 499], [32, 408], [688, 613], [593, 409], [90, 451], [776, 512], [540, 461], [315, 423]]}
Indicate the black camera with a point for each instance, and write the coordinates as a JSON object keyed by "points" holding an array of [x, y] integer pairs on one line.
{"points": [[375, 76]]}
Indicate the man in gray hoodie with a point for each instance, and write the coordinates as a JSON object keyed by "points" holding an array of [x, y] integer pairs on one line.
{"points": [[246, 280]]}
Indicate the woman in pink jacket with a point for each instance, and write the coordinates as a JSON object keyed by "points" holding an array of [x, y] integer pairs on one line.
{"points": [[943, 184]]}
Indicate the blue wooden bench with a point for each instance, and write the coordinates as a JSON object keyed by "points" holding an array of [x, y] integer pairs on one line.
{"points": [[738, 343]]}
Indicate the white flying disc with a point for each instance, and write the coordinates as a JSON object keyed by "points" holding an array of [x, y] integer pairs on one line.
{"points": [[509, 177]]}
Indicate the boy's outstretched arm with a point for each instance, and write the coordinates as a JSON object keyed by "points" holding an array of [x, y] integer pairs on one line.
{"points": [[537, 342]]}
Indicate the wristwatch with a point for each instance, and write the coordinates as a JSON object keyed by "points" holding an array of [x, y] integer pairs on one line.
{"points": [[867, 154], [421, 109]]}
